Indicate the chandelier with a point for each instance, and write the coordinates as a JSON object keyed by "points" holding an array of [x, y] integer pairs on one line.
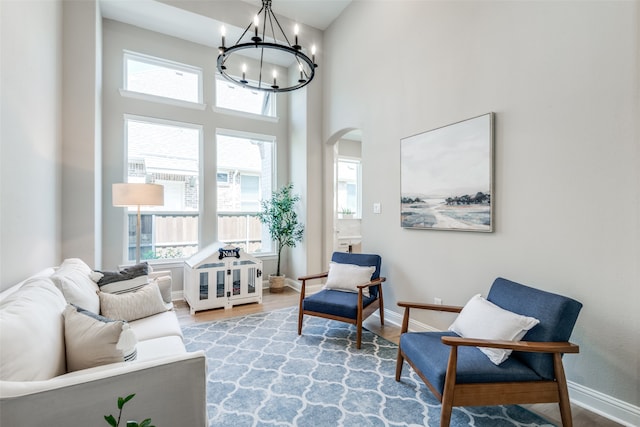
{"points": [[262, 44]]}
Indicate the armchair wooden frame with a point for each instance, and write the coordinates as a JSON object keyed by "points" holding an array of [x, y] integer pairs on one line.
{"points": [[496, 393], [363, 312]]}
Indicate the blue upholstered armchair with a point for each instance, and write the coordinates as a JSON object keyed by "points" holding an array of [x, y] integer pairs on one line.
{"points": [[352, 293], [459, 374]]}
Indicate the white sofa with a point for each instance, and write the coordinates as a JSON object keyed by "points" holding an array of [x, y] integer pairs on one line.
{"points": [[36, 388]]}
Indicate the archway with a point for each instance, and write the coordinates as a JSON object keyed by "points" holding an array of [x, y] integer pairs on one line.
{"points": [[341, 230]]}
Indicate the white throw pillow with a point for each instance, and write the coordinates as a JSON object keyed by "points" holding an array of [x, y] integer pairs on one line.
{"points": [[347, 277], [73, 278], [32, 333], [132, 305], [92, 340], [484, 320]]}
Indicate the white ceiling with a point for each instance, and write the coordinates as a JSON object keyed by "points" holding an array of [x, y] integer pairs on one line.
{"points": [[316, 13], [163, 18]]}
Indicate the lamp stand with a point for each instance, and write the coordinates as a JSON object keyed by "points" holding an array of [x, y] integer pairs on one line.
{"points": [[138, 226]]}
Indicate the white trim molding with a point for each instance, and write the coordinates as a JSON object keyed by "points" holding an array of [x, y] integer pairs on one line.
{"points": [[605, 405]]}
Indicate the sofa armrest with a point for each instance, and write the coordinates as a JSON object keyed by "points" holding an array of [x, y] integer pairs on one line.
{"points": [[170, 391]]}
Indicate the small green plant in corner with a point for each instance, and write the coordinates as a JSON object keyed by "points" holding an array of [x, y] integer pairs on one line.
{"points": [[115, 423], [346, 211]]}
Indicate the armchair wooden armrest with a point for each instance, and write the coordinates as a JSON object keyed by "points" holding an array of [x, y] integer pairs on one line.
{"points": [[375, 282], [434, 307], [527, 346], [314, 276]]}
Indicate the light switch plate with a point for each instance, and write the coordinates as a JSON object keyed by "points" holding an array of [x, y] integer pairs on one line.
{"points": [[377, 208]]}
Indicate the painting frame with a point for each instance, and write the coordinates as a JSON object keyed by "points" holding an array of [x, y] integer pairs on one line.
{"points": [[447, 177]]}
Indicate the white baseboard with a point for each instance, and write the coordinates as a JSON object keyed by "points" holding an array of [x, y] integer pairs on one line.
{"points": [[602, 404]]}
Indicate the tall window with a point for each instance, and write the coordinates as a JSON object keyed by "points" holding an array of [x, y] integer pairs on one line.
{"points": [[160, 77], [167, 153], [233, 97], [244, 177], [349, 186]]}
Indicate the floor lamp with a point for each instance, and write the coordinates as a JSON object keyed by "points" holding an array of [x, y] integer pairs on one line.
{"points": [[137, 195]]}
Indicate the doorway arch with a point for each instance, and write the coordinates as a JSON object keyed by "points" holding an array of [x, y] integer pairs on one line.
{"points": [[331, 153]]}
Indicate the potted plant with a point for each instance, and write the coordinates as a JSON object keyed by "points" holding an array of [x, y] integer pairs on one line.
{"points": [[346, 213], [280, 217]]}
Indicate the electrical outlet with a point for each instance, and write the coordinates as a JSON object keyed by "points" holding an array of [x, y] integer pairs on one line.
{"points": [[437, 301]]}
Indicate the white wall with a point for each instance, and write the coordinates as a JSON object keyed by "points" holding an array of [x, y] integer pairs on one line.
{"points": [[562, 78], [30, 123], [81, 132]]}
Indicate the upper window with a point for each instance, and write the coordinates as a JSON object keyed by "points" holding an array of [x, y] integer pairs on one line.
{"points": [[166, 153], [159, 77], [234, 97]]}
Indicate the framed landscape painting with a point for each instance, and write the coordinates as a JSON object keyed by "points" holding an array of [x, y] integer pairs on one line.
{"points": [[446, 177]]}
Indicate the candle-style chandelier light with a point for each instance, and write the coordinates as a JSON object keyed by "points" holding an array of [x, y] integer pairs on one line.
{"points": [[264, 42]]}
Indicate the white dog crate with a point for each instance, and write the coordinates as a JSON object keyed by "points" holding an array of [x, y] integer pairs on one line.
{"points": [[222, 277]]}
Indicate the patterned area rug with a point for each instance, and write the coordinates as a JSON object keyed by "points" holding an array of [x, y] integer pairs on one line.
{"points": [[261, 373]]}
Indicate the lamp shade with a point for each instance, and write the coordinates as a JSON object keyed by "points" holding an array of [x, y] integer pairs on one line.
{"points": [[137, 194]]}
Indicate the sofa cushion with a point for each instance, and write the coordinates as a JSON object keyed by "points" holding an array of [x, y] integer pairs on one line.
{"points": [[160, 325], [338, 303], [32, 332], [428, 354], [160, 347], [73, 278], [92, 340], [132, 305]]}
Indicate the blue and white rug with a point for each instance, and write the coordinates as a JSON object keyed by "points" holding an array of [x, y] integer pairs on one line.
{"points": [[261, 373]]}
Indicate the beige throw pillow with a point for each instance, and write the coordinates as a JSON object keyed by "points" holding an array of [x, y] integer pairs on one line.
{"points": [[91, 340], [132, 305], [347, 277]]}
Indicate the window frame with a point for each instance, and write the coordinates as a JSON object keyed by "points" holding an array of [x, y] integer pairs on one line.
{"points": [[166, 63], [199, 212], [274, 157], [230, 111]]}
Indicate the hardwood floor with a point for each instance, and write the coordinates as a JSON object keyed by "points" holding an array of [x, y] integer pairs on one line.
{"points": [[289, 298]]}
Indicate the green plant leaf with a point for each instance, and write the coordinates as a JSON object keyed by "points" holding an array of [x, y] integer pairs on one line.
{"points": [[123, 401], [146, 423], [111, 420]]}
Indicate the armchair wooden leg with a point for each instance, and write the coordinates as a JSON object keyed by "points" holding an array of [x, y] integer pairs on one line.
{"points": [[399, 364], [449, 386], [563, 391], [359, 336], [301, 306], [445, 415], [381, 309]]}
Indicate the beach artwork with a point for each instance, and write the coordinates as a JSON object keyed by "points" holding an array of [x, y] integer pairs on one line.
{"points": [[446, 177]]}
